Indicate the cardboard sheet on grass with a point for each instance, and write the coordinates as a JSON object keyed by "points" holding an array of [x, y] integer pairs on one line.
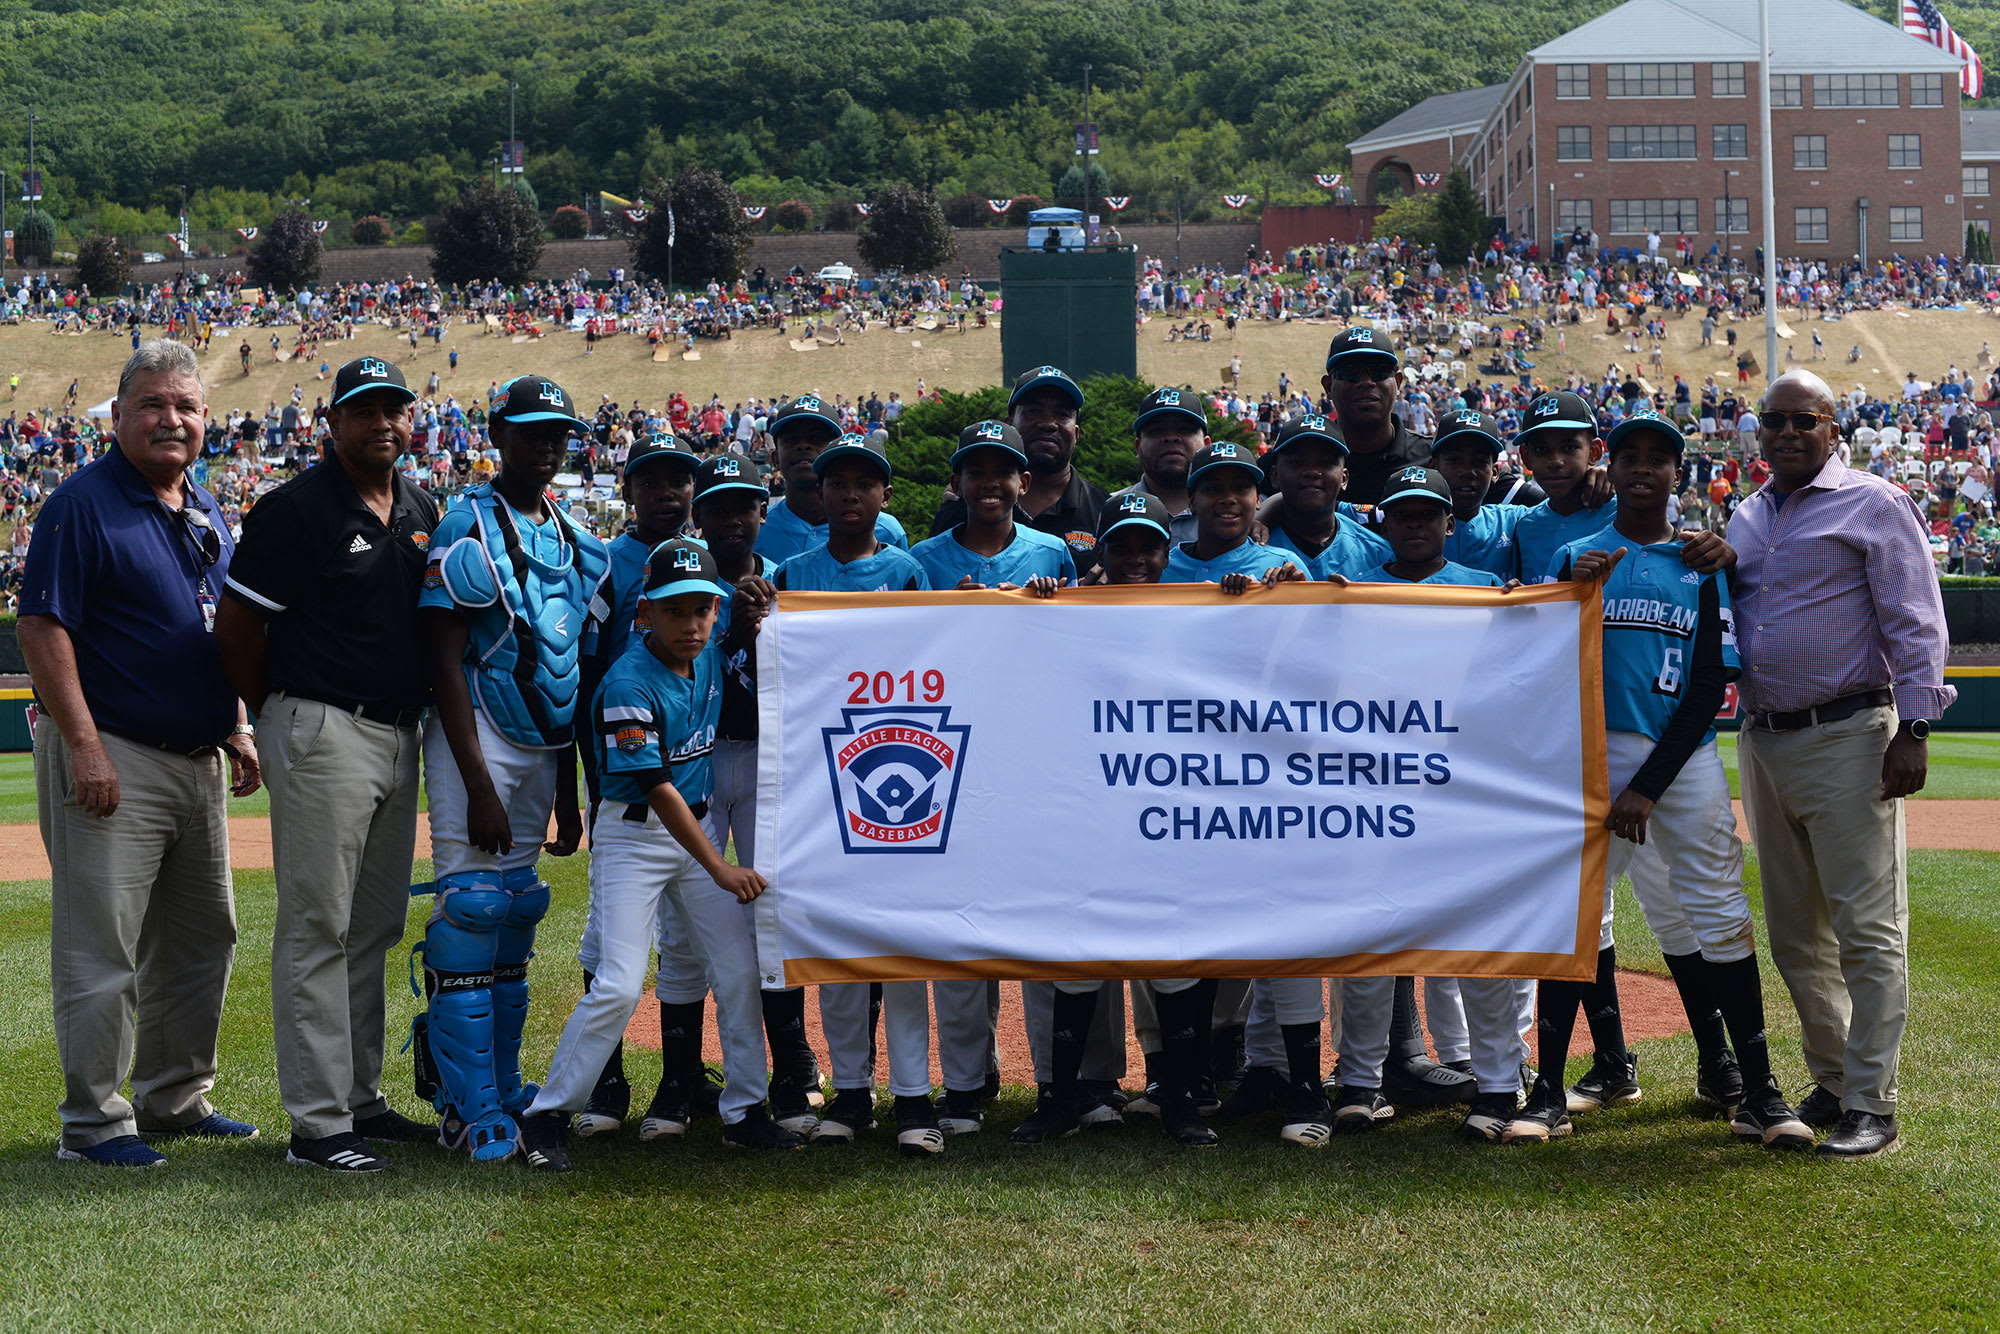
{"points": [[1163, 782]]}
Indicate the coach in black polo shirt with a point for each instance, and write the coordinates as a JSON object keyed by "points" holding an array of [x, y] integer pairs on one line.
{"points": [[319, 635], [1363, 377]]}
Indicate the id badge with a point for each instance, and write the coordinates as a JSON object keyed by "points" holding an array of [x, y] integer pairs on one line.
{"points": [[207, 601]]}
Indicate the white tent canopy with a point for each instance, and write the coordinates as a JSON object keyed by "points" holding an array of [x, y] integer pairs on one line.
{"points": [[100, 411]]}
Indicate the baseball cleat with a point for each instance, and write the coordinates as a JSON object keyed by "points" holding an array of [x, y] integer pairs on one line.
{"points": [[1546, 1116], [1718, 1085], [605, 1112], [1612, 1081], [1308, 1116], [1766, 1116], [1820, 1109], [1259, 1091], [704, 1086], [545, 1141], [667, 1116], [961, 1112], [1206, 1100], [1486, 1121], [918, 1134], [332, 1153], [1055, 1116], [1148, 1101], [850, 1114], [757, 1131], [391, 1125], [1422, 1082], [1180, 1118], [1358, 1109]]}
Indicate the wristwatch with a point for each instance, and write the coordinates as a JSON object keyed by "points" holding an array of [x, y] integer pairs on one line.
{"points": [[243, 729], [1916, 729]]}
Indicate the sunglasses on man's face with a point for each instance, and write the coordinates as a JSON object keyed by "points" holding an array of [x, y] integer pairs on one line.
{"points": [[1774, 420], [1374, 373]]}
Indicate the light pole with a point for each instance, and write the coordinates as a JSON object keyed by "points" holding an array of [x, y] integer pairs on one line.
{"points": [[184, 230], [1177, 223], [1728, 222], [1086, 155], [33, 191]]}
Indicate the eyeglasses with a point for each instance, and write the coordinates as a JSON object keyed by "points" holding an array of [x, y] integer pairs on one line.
{"points": [[201, 535], [1775, 420], [1374, 373]]}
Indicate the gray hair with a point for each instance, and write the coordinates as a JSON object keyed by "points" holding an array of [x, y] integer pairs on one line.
{"points": [[158, 356]]}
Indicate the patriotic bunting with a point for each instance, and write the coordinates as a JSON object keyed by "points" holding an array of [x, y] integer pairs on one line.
{"points": [[1326, 182], [1236, 201], [1429, 178], [247, 233], [753, 213], [638, 214], [999, 205], [319, 226], [864, 209], [1116, 202]]}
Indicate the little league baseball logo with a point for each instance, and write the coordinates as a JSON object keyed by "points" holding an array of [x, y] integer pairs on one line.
{"points": [[895, 775], [374, 369]]}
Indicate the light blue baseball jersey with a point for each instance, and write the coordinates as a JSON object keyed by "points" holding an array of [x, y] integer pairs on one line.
{"points": [[1354, 553], [1542, 532], [891, 569], [648, 719], [786, 535], [1246, 558], [1450, 573], [1031, 555], [1486, 540], [1660, 617]]}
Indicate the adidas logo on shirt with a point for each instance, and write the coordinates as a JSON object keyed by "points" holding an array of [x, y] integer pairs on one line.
{"points": [[358, 545]]}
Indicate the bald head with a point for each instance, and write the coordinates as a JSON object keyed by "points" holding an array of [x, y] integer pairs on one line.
{"points": [[1802, 388], [1798, 446]]}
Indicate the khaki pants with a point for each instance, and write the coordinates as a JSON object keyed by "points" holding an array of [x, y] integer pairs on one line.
{"points": [[343, 832], [142, 935], [1836, 899]]}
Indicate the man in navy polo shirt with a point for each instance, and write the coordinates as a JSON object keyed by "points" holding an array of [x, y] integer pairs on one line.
{"points": [[136, 722]]}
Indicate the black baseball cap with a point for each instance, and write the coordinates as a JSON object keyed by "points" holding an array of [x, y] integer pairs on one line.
{"points": [[1560, 410], [1361, 342], [1167, 402], [658, 447], [852, 445], [1028, 381], [806, 407], [1645, 419], [1468, 424], [365, 375], [989, 435], [1417, 484], [681, 566], [535, 398], [1134, 509], [1310, 427], [1224, 454], [729, 472]]}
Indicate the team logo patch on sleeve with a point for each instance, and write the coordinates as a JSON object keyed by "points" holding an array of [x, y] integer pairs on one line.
{"points": [[434, 575], [895, 775], [630, 738], [1082, 541], [420, 540]]}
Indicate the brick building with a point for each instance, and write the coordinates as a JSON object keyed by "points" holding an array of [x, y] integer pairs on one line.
{"points": [[1646, 119]]}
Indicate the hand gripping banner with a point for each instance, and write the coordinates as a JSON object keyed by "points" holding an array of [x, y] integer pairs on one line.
{"points": [[1167, 782]]}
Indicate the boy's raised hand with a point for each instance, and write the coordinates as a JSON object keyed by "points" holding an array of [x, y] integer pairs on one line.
{"points": [[1706, 553], [1594, 565]]}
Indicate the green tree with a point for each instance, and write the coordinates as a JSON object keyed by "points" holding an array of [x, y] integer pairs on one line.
{"points": [[905, 229], [1069, 187], [370, 230], [287, 252], [1412, 217], [710, 235], [569, 223], [487, 232], [526, 191], [35, 239], [1460, 223], [102, 265]]}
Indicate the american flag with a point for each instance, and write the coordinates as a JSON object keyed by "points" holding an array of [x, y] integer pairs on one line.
{"points": [[1922, 19]]}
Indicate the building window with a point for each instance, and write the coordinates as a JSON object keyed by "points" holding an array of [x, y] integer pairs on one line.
{"points": [[1906, 222], [1927, 90], [1572, 143], [1572, 214], [1668, 142], [1635, 216], [1725, 78], [1732, 214], [1809, 225], [1649, 80], [1809, 152], [1572, 81], [1974, 180], [1854, 90], [1906, 150], [1732, 141], [1785, 91]]}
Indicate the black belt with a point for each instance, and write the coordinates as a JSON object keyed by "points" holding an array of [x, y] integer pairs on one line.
{"points": [[150, 744], [391, 715], [1830, 712], [639, 810]]}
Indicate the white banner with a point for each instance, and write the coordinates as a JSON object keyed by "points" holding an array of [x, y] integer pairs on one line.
{"points": [[1168, 782]]}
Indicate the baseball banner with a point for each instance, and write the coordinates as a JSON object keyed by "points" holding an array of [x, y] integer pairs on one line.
{"points": [[1164, 782]]}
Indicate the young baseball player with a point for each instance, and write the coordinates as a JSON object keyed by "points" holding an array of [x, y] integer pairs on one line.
{"points": [[797, 522], [1669, 652], [654, 728], [853, 483], [1558, 445], [1308, 466], [1222, 491], [506, 615]]}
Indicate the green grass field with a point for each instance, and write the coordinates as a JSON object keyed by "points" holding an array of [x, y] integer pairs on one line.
{"points": [[1964, 765], [1646, 1218]]}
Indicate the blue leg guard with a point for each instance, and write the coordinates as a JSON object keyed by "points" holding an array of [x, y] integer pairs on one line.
{"points": [[459, 977], [528, 904]]}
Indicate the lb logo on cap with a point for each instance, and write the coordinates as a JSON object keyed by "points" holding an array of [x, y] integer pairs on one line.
{"points": [[1046, 370], [1168, 398], [728, 468], [373, 368], [1132, 505], [990, 430], [1313, 423], [1414, 476], [1225, 449], [551, 392], [687, 558], [1545, 406], [1466, 418], [1360, 335], [809, 403]]}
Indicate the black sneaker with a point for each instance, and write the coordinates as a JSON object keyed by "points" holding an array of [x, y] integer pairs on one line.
{"points": [[1489, 1116], [1358, 1109], [1308, 1115], [1546, 1116], [791, 1104], [1422, 1082], [1259, 1091], [704, 1086], [1055, 1115], [758, 1131], [1820, 1109], [667, 1116], [1181, 1119], [918, 1134], [605, 1112], [1226, 1055], [392, 1126], [1611, 1082], [850, 1114], [1148, 1101], [1766, 1116], [961, 1112], [335, 1153], [1206, 1100], [1718, 1084], [1102, 1104], [545, 1141]]}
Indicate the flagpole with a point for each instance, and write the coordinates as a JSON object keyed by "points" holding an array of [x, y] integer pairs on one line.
{"points": [[1770, 208]]}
